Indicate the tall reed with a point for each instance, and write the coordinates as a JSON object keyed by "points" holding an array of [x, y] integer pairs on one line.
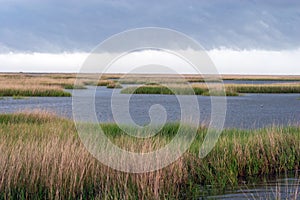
{"points": [[43, 158]]}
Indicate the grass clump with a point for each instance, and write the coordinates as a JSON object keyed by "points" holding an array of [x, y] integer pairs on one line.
{"points": [[202, 89], [266, 88], [114, 85], [33, 92], [104, 82], [179, 90], [43, 158], [109, 84], [19, 97], [70, 86]]}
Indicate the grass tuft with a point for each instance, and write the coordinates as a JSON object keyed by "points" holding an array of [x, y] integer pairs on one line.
{"points": [[70, 86]]}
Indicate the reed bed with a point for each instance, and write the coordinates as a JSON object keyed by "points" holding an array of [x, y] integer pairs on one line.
{"points": [[178, 89], [37, 85], [43, 158], [265, 88], [22, 91], [54, 84], [202, 89]]}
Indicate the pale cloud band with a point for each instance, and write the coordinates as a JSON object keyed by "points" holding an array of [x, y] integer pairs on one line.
{"points": [[227, 61]]}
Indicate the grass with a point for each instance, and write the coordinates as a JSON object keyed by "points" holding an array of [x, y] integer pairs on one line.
{"points": [[176, 89], [114, 85], [70, 86], [159, 89], [109, 84], [28, 92], [54, 84], [201, 89], [19, 97], [266, 88], [43, 158]]}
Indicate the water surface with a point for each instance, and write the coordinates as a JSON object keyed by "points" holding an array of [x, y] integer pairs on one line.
{"points": [[245, 111]]}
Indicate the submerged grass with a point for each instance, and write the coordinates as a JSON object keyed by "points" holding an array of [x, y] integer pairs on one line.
{"points": [[43, 158]]}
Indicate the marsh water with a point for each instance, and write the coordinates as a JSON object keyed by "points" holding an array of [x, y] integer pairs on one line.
{"points": [[245, 111], [248, 111], [281, 187]]}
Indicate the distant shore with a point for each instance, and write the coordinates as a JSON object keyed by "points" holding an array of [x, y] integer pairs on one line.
{"points": [[53, 84]]}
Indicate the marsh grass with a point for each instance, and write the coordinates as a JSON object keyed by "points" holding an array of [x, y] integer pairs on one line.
{"points": [[27, 92], [42, 158], [265, 88], [114, 85], [54, 84], [70, 86], [202, 89], [19, 97], [177, 89]]}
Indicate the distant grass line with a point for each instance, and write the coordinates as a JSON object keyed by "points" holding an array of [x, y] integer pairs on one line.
{"points": [[70, 86], [276, 88], [201, 89], [109, 84], [43, 158], [158, 89], [179, 90], [34, 92]]}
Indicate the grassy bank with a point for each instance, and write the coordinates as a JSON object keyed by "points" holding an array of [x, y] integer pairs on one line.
{"points": [[43, 158], [201, 89], [41, 92], [179, 90], [266, 88]]}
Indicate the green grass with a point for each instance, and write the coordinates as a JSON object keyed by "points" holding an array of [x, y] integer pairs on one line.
{"points": [[158, 89], [266, 88], [19, 97], [70, 86], [30, 93], [43, 158], [231, 89]]}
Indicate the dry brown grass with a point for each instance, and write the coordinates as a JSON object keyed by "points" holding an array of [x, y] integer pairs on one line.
{"points": [[43, 158]]}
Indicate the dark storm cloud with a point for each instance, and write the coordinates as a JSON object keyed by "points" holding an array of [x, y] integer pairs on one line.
{"points": [[56, 26]]}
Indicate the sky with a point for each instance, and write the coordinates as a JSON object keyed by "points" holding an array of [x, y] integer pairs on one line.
{"points": [[240, 36]]}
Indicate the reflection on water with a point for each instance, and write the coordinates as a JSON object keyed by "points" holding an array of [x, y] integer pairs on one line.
{"points": [[279, 188]]}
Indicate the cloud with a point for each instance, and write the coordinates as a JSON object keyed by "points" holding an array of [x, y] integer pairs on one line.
{"points": [[227, 61], [54, 26]]}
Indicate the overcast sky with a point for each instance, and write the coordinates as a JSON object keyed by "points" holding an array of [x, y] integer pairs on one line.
{"points": [[53, 27]]}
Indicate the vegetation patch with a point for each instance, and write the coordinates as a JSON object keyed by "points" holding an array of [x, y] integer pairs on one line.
{"points": [[114, 85], [179, 90], [19, 97], [265, 88], [202, 89], [70, 86], [33, 92], [53, 162]]}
